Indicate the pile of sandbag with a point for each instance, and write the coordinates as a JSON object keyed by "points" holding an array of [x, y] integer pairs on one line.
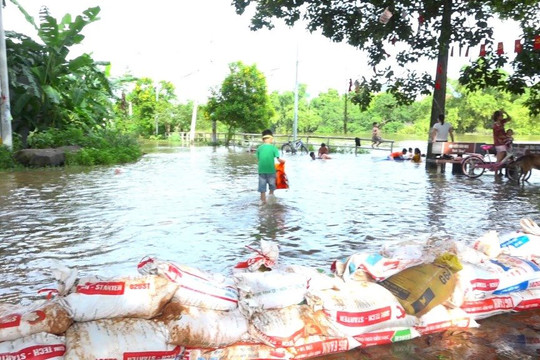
{"points": [[265, 309]]}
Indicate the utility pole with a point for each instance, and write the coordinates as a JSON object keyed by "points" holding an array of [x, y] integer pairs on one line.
{"points": [[5, 111], [345, 120], [155, 111], [193, 122], [295, 121]]}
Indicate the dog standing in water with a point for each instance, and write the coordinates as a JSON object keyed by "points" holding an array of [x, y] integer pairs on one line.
{"points": [[528, 162]]}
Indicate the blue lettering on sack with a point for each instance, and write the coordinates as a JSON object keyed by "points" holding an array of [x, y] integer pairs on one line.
{"points": [[372, 259], [532, 265], [504, 267], [516, 242], [518, 287]]}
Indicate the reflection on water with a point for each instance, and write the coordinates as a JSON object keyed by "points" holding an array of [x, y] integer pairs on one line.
{"points": [[199, 207]]}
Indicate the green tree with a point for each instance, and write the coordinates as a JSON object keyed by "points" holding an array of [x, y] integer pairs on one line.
{"points": [[49, 90], [242, 103], [151, 106], [283, 104], [471, 111], [426, 29], [329, 107], [184, 115]]}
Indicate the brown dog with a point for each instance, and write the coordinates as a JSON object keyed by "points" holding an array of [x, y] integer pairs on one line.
{"points": [[528, 162]]}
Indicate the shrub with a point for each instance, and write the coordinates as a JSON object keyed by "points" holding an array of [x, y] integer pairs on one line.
{"points": [[6, 158], [98, 146]]}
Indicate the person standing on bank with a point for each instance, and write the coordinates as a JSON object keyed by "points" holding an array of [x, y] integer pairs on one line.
{"points": [[499, 134], [441, 130], [266, 154]]}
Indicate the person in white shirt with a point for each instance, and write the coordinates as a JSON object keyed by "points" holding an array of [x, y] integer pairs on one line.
{"points": [[441, 130]]}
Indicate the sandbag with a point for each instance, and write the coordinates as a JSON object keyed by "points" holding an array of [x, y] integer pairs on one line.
{"points": [[195, 287], [529, 300], [386, 336], [285, 327], [204, 328], [270, 290], [422, 287], [119, 339], [520, 244], [317, 278], [441, 318], [502, 275], [17, 321], [317, 345], [375, 265], [466, 253], [40, 346], [265, 259], [360, 308], [514, 243], [240, 351], [99, 298], [528, 226], [488, 244], [490, 306]]}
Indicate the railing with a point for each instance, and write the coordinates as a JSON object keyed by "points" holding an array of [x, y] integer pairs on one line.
{"points": [[312, 142]]}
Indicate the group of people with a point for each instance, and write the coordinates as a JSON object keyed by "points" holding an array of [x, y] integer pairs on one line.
{"points": [[267, 152], [502, 139], [415, 156], [322, 154]]}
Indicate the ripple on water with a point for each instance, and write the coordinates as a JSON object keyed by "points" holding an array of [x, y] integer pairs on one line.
{"points": [[200, 207]]}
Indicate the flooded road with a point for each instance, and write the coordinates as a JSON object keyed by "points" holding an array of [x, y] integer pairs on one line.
{"points": [[199, 207]]}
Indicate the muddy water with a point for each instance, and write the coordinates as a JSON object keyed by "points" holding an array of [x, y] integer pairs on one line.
{"points": [[199, 207]]}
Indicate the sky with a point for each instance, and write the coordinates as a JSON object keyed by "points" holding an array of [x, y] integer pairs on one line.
{"points": [[191, 42]]}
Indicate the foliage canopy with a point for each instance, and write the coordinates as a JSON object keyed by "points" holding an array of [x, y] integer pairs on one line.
{"points": [[242, 102], [418, 26], [47, 88]]}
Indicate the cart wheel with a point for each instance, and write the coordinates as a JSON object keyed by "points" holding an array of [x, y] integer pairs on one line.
{"points": [[473, 167], [515, 173], [287, 149]]}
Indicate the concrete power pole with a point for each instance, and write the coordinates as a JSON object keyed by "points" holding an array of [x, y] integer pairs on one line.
{"points": [[5, 111]]}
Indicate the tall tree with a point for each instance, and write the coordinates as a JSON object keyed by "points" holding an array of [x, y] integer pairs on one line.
{"points": [[242, 102], [329, 108], [425, 28], [151, 106]]}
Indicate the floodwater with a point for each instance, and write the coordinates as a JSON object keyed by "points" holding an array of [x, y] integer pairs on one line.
{"points": [[199, 206]]}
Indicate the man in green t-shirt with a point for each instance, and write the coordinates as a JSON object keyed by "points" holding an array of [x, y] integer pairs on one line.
{"points": [[266, 153]]}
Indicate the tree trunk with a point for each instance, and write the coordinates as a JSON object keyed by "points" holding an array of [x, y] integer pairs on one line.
{"points": [[214, 132], [345, 114], [439, 93]]}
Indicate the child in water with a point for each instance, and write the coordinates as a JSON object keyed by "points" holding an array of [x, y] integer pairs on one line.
{"points": [[398, 155], [417, 157]]}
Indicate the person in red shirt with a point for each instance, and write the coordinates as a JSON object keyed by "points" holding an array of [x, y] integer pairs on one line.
{"points": [[499, 134], [398, 155]]}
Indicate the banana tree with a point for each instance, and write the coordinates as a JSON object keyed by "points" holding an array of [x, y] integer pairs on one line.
{"points": [[49, 89]]}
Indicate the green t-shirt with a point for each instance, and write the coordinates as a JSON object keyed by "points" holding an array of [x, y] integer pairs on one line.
{"points": [[266, 153]]}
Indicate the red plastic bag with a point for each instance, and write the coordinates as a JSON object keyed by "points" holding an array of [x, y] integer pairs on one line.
{"points": [[281, 178]]}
